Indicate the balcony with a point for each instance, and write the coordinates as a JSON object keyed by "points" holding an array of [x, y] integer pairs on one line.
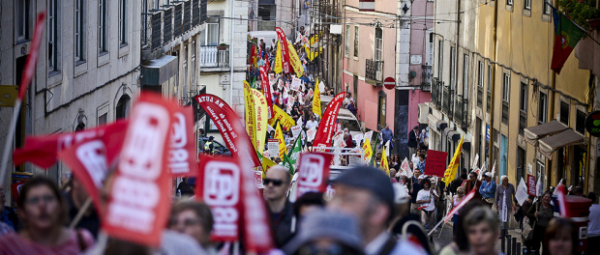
{"points": [[213, 57], [479, 97], [426, 78], [447, 100], [505, 112], [374, 72], [173, 21], [461, 116], [435, 92]]}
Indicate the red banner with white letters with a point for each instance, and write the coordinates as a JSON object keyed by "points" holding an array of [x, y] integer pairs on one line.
{"points": [[328, 122], [182, 154], [313, 172], [218, 185], [266, 89], [284, 49], [43, 150], [530, 185], [139, 201], [231, 128]]}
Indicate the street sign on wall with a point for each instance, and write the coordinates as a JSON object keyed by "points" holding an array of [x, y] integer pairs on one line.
{"points": [[389, 83]]}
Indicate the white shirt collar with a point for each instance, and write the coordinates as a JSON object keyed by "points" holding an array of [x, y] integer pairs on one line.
{"points": [[376, 244]]}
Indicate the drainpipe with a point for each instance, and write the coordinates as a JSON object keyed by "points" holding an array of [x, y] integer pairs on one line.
{"points": [[456, 59], [231, 54], [398, 45]]}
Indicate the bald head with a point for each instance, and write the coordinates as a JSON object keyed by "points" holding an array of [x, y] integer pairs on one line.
{"points": [[278, 172]]}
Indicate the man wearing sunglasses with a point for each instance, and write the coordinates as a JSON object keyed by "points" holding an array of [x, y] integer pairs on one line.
{"points": [[277, 183]]}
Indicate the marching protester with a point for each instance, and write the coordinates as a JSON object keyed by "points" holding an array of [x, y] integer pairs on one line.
{"points": [[594, 225], [307, 203], [472, 183], [457, 182], [195, 220], [8, 215], [75, 198], [277, 183], [488, 189], [460, 194], [541, 213], [367, 193], [414, 190], [505, 197], [412, 141], [482, 229], [426, 199], [560, 238]]}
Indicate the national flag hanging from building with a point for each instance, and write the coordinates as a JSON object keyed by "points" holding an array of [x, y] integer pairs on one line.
{"points": [[566, 37], [450, 173]]}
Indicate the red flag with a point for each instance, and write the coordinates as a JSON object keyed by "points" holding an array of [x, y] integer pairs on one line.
{"points": [[313, 172], [266, 88], [182, 154], [90, 166], [462, 203], [267, 63], [328, 122], [230, 127], [218, 185], [31, 61], [139, 200], [42, 151], [284, 49], [562, 201]]}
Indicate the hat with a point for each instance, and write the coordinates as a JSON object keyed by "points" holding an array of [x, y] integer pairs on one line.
{"points": [[371, 179], [340, 227], [487, 174], [211, 137]]}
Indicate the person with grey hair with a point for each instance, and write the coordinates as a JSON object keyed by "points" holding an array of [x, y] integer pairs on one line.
{"points": [[277, 183], [481, 227], [326, 232], [505, 196]]}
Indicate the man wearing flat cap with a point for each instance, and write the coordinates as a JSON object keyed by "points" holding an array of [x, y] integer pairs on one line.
{"points": [[488, 189], [367, 193]]}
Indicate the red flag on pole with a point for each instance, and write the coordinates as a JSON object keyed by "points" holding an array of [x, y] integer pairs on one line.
{"points": [[284, 49], [139, 201], [266, 88], [182, 153], [313, 172], [328, 122]]}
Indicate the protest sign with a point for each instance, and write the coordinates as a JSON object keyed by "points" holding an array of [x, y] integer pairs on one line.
{"points": [[530, 185], [273, 148], [436, 163], [521, 194], [313, 172], [182, 153]]}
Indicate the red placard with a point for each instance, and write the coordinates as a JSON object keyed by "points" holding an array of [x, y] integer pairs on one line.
{"points": [[218, 185], [182, 153], [266, 89], [42, 151], [139, 201], [530, 185], [313, 172], [436, 163], [230, 127], [328, 122]]}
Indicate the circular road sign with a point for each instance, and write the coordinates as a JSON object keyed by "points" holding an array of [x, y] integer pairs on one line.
{"points": [[389, 83]]}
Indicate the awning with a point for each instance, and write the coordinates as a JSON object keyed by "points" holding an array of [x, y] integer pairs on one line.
{"points": [[532, 134], [565, 138], [466, 145], [454, 135], [441, 125], [157, 71]]}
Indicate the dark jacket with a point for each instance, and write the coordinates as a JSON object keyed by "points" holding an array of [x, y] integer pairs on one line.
{"points": [[454, 185], [89, 222], [467, 184], [416, 188], [412, 139], [281, 224]]}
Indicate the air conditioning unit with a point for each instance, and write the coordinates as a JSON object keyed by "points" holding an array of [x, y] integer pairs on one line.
{"points": [[423, 113]]}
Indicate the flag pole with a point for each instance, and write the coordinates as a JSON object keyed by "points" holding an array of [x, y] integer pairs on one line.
{"points": [[9, 139]]}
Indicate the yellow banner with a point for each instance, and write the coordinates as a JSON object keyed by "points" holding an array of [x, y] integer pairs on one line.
{"points": [[284, 119], [368, 150], [295, 60], [311, 55], [249, 113], [450, 173], [316, 103], [385, 166], [266, 164], [261, 113], [278, 68], [279, 137]]}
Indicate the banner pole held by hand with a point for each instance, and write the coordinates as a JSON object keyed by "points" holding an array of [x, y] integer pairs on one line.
{"points": [[81, 212]]}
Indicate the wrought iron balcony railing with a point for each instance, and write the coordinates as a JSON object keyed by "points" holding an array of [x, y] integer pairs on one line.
{"points": [[426, 78], [374, 71]]}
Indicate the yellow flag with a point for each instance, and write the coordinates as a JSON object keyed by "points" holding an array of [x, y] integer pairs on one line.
{"points": [[279, 137], [450, 172], [266, 164], [316, 103], [385, 166], [284, 119], [295, 60], [261, 115], [278, 59], [368, 150], [249, 113], [311, 55]]}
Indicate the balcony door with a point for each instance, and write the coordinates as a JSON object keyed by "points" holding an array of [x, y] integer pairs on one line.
{"points": [[378, 54]]}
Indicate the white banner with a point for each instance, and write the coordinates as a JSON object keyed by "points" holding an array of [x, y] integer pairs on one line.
{"points": [[521, 194]]}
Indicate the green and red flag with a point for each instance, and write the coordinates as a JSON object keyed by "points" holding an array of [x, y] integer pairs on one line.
{"points": [[566, 37]]}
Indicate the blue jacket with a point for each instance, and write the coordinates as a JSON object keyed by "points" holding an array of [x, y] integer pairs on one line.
{"points": [[487, 190]]}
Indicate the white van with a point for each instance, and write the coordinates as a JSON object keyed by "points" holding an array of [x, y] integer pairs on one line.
{"points": [[345, 117]]}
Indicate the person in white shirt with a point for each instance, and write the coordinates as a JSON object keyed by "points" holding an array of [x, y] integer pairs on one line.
{"points": [[594, 225], [426, 199], [312, 123]]}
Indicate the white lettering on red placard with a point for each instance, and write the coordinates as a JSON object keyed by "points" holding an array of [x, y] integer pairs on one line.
{"points": [[178, 155], [92, 155], [221, 193], [313, 172]]}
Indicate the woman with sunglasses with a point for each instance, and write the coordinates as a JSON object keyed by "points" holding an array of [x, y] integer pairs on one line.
{"points": [[43, 212], [460, 194]]}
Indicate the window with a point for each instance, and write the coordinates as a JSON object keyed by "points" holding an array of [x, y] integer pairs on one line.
{"points": [[480, 74], [489, 87], [53, 38], [378, 44], [381, 109], [122, 23], [122, 109], [506, 87], [523, 103], [23, 8], [355, 88], [145, 15], [79, 31], [102, 26], [452, 67], [509, 2], [356, 41], [103, 119], [466, 77], [210, 35], [542, 112], [547, 7], [580, 122], [347, 40], [440, 60], [564, 112], [527, 4]]}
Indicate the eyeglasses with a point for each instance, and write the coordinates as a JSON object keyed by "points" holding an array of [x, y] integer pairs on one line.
{"points": [[333, 249], [185, 222], [276, 182], [36, 200]]}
